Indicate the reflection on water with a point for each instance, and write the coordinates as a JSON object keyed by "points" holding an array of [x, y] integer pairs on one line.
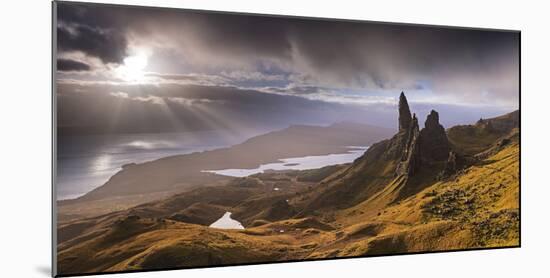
{"points": [[297, 163], [226, 222], [102, 163], [147, 145]]}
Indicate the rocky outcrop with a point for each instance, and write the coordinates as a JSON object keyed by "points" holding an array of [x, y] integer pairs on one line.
{"points": [[450, 167], [419, 148], [399, 145], [409, 154], [396, 168], [455, 162], [433, 140]]}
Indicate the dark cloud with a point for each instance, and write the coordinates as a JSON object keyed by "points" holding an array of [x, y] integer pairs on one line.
{"points": [[91, 30], [347, 54], [273, 71], [328, 53], [72, 65]]}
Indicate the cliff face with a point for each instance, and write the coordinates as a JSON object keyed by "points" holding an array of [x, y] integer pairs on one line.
{"points": [[399, 146], [410, 150]]}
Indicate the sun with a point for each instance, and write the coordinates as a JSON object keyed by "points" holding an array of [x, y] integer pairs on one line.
{"points": [[133, 68]]}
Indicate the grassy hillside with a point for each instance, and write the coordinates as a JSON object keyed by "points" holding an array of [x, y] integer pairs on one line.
{"points": [[359, 209], [473, 139]]}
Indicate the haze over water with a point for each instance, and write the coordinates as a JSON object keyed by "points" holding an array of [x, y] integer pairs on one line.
{"points": [[86, 162]]}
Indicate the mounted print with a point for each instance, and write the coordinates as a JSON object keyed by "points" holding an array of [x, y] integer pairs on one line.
{"points": [[187, 138]]}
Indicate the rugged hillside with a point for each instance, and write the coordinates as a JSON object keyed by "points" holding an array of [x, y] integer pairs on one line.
{"points": [[422, 190], [408, 161], [473, 139]]}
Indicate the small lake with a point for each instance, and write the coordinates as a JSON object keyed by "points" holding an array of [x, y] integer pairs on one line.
{"points": [[226, 222], [297, 163]]}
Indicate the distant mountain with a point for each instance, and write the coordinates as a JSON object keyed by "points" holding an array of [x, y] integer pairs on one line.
{"points": [[421, 190]]}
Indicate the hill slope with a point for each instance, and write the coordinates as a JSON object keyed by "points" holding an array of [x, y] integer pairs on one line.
{"points": [[421, 190]]}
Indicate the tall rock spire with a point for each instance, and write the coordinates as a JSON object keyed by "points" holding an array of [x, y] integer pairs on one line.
{"points": [[404, 113]]}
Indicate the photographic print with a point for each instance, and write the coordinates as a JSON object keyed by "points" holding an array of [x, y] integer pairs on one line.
{"points": [[188, 138]]}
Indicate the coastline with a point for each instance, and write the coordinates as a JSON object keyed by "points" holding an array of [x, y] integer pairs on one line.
{"points": [[69, 209], [137, 183]]}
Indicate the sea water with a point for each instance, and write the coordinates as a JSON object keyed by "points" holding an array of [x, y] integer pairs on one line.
{"points": [[86, 162]]}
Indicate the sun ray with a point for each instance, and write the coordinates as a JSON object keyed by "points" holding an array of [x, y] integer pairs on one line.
{"points": [[133, 68]]}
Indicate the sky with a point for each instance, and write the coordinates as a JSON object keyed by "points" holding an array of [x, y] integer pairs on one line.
{"points": [[134, 69]]}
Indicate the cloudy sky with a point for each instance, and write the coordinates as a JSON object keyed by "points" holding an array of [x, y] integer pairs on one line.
{"points": [[128, 69]]}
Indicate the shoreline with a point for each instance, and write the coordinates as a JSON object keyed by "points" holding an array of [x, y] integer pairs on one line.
{"points": [[137, 183], [294, 163], [333, 150], [78, 208]]}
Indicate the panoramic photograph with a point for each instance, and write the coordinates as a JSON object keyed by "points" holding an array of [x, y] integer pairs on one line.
{"points": [[189, 139]]}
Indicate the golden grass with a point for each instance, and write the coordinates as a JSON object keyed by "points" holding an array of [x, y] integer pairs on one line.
{"points": [[479, 207]]}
